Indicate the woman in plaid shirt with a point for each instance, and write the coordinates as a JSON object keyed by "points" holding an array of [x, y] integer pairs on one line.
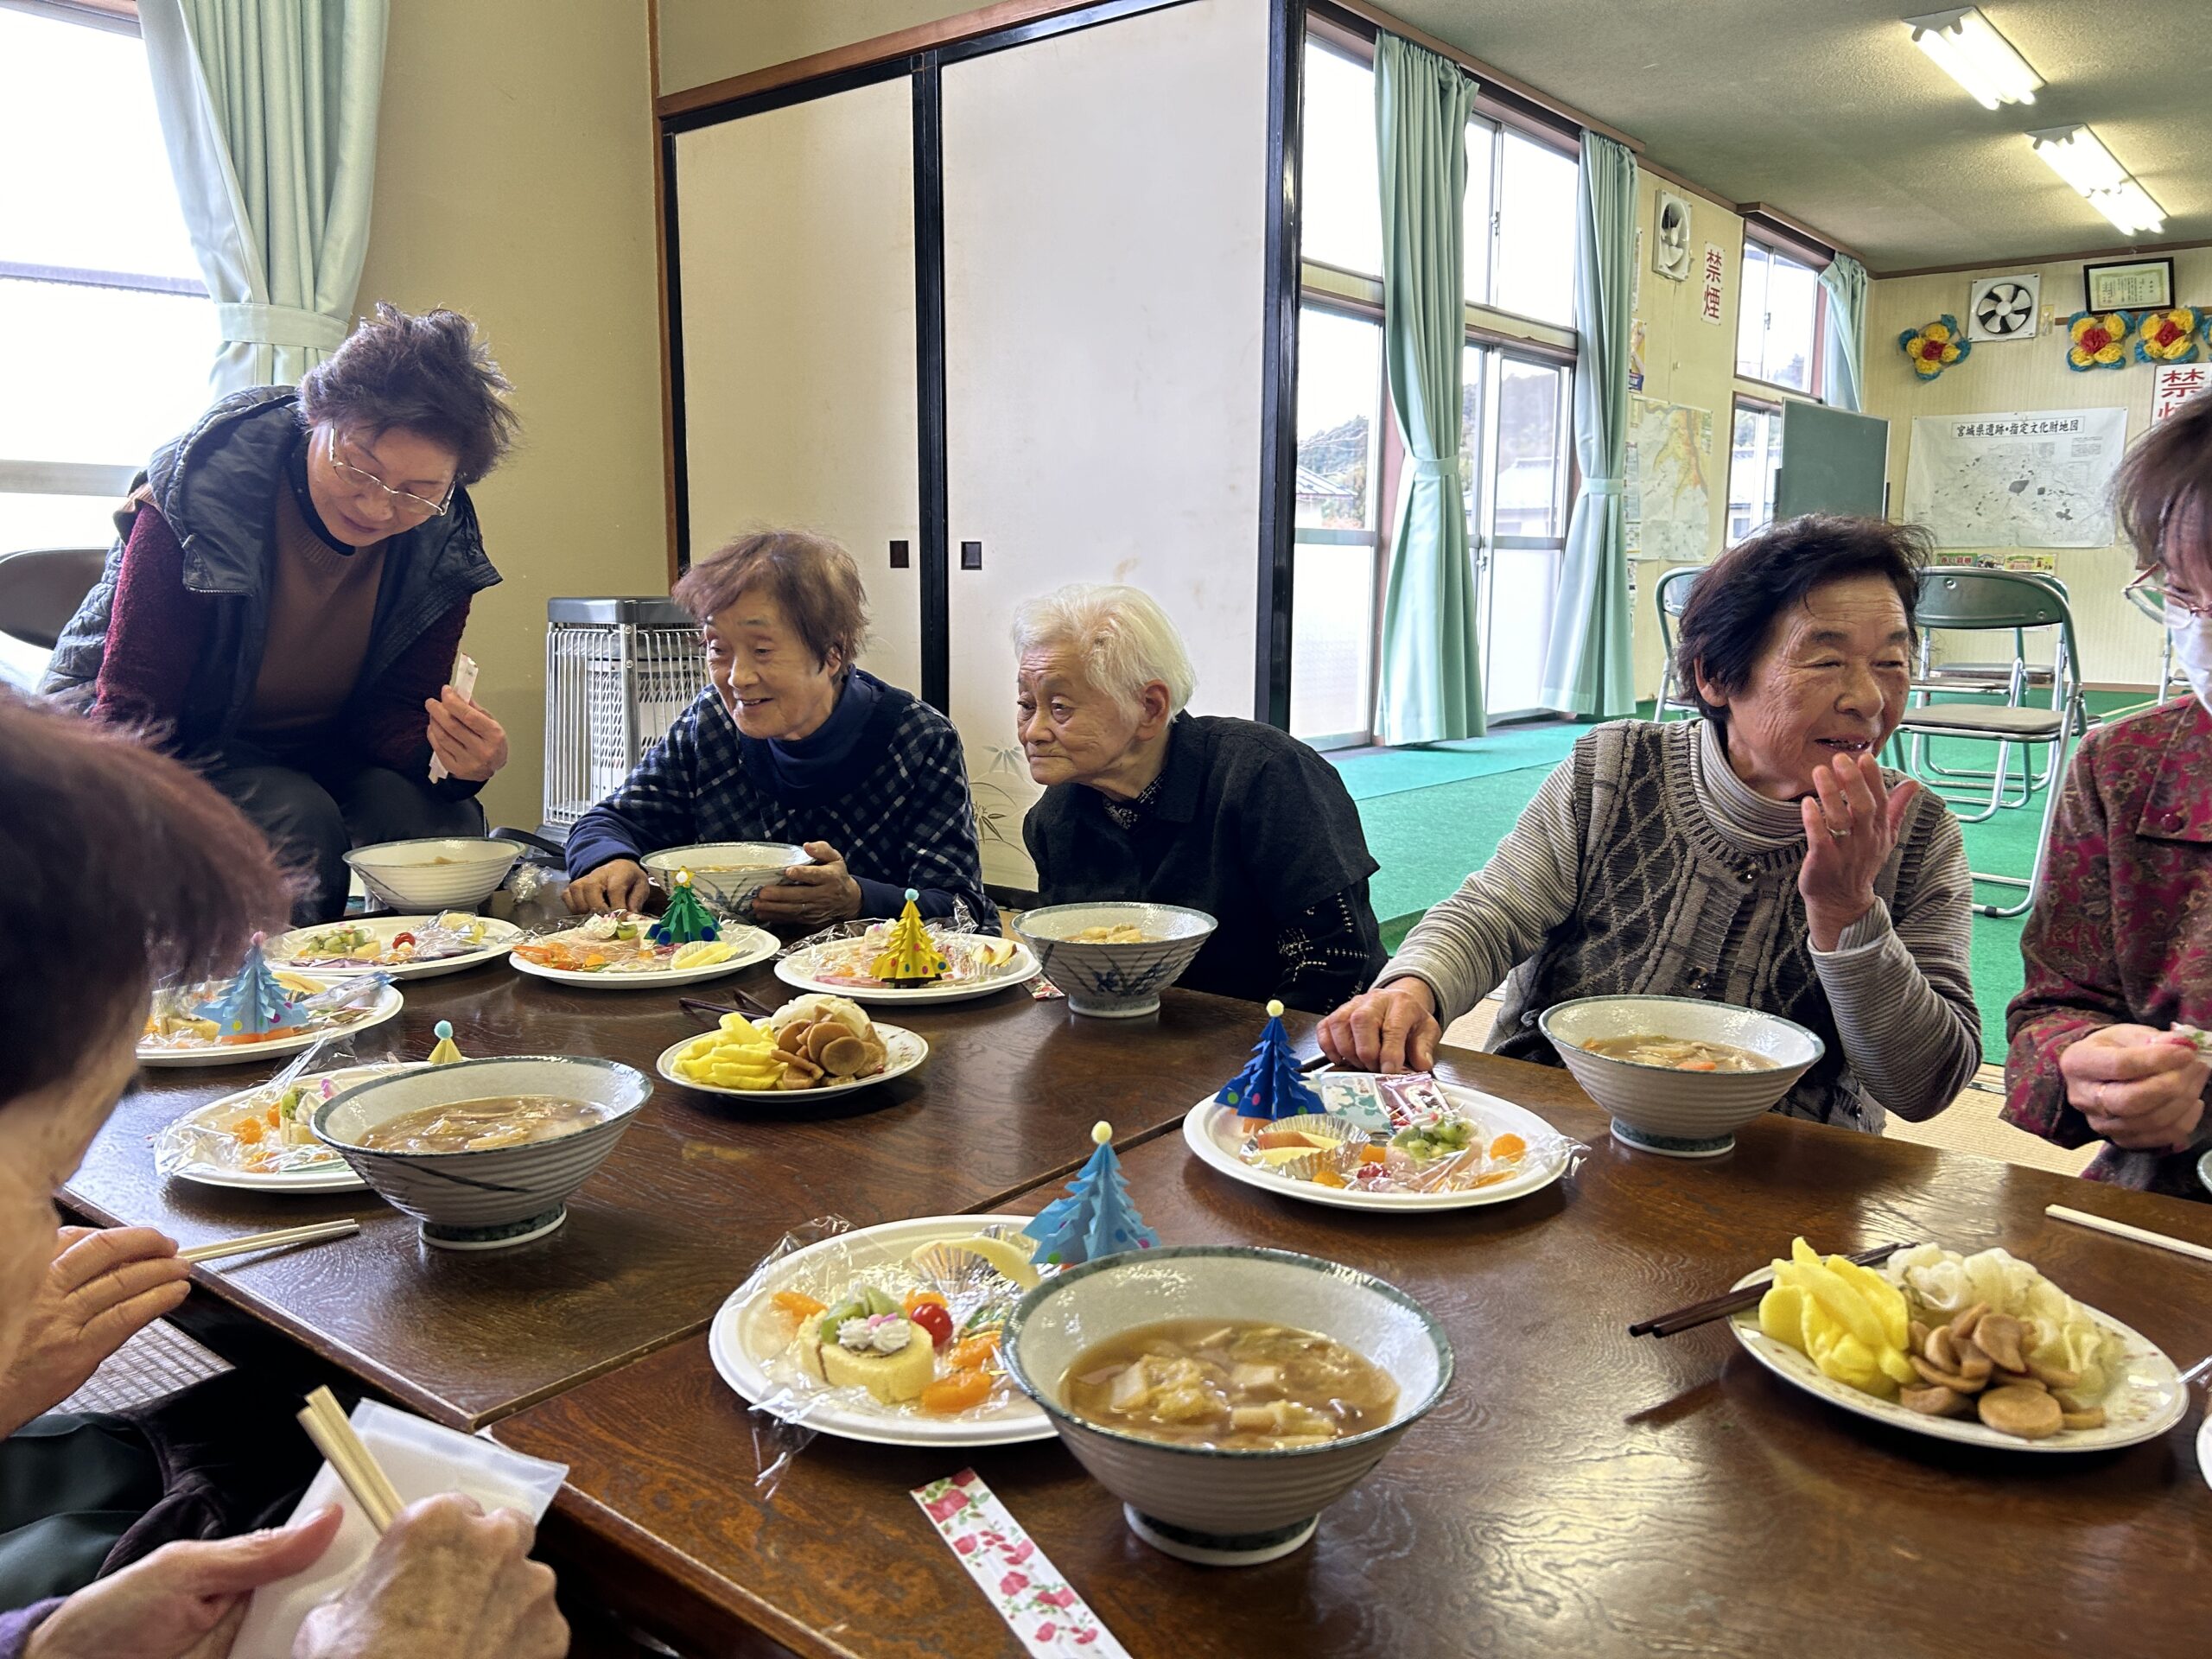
{"points": [[793, 743], [2118, 950]]}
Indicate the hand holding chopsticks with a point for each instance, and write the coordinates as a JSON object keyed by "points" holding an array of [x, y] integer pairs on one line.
{"points": [[349, 1455], [314, 1233], [1720, 1307]]}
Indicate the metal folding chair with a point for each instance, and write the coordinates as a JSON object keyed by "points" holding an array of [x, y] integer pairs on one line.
{"points": [[1672, 591], [41, 588], [1969, 599], [2010, 683]]}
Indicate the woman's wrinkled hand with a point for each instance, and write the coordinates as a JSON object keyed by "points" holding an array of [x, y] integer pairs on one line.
{"points": [[468, 743], [810, 896], [2141, 1087], [105, 1284], [1852, 821], [619, 884], [1392, 1029], [184, 1601], [446, 1581]]}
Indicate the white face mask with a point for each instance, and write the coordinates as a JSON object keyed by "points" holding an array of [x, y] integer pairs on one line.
{"points": [[2192, 641]]}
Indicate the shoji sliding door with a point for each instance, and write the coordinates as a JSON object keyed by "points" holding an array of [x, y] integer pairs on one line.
{"points": [[796, 278], [1105, 207]]}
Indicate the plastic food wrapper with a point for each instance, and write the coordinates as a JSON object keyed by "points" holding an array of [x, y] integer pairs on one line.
{"points": [[860, 942], [977, 1299], [334, 1007], [1400, 1133], [240, 1138], [449, 933], [423, 1459], [618, 942]]}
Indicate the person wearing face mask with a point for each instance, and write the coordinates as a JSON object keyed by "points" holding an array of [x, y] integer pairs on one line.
{"points": [[2118, 946], [287, 590], [1144, 800], [1758, 856], [794, 741], [184, 882]]}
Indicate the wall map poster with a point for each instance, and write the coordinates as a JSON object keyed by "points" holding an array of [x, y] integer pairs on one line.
{"points": [[1669, 506], [2040, 478]]}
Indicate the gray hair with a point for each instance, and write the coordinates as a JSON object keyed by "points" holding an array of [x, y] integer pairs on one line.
{"points": [[1120, 634]]}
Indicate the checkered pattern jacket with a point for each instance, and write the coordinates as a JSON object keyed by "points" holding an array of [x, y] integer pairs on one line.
{"points": [[905, 821]]}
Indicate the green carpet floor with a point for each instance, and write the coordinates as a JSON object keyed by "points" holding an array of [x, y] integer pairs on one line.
{"points": [[1427, 836]]}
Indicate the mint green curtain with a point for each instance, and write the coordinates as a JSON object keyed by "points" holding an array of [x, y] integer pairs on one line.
{"points": [[269, 113], [1588, 670], [1846, 282], [1432, 678]]}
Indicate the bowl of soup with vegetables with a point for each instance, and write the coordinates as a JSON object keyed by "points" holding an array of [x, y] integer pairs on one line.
{"points": [[1678, 1075], [484, 1153], [1227, 1395]]}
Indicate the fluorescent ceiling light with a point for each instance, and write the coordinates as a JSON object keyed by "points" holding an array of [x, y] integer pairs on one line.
{"points": [[1967, 47], [2078, 157]]}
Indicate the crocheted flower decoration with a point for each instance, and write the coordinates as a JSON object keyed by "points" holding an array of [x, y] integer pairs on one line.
{"points": [[2100, 340], [1935, 346], [2169, 336]]}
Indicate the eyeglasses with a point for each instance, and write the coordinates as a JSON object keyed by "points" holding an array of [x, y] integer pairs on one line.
{"points": [[402, 502], [2152, 581]]}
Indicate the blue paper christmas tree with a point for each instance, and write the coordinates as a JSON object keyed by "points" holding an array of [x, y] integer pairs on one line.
{"points": [[1096, 1218], [1269, 1085], [255, 1003], [685, 919]]}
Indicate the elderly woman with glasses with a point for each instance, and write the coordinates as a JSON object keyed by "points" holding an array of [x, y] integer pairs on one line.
{"points": [[1146, 800], [1758, 856], [287, 592], [2118, 956]]}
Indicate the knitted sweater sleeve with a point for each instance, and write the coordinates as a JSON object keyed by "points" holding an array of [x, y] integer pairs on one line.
{"points": [[154, 634], [1900, 988], [1465, 947]]}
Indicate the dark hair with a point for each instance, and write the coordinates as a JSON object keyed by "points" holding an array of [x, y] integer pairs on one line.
{"points": [[1733, 603], [428, 375], [2168, 472], [125, 868], [812, 578]]}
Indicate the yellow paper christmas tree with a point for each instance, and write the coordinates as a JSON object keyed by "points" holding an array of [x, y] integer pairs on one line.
{"points": [[909, 957]]}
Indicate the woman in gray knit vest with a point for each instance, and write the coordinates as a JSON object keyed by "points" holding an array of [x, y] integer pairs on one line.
{"points": [[1759, 855]]}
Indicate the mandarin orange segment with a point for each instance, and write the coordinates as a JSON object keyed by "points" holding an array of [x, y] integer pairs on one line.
{"points": [[957, 1392], [1508, 1146]]}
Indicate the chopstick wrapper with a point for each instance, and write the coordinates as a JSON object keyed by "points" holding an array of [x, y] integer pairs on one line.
{"points": [[1026, 1589], [423, 1459]]}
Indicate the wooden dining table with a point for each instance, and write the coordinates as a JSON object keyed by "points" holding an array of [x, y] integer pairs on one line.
{"points": [[698, 1190], [1577, 1491]]}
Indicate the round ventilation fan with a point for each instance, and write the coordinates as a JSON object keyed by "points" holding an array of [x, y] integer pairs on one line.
{"points": [[2004, 310]]}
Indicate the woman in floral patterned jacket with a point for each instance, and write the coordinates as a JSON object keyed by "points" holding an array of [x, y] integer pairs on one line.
{"points": [[2120, 945]]}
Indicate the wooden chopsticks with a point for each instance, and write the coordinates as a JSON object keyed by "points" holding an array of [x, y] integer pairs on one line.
{"points": [[745, 1004], [347, 1454], [314, 1233], [1720, 1307], [2122, 1230]]}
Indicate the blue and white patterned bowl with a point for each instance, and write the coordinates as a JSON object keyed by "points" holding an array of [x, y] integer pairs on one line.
{"points": [[1114, 981], [1224, 1508], [726, 874], [1681, 1114], [484, 1200]]}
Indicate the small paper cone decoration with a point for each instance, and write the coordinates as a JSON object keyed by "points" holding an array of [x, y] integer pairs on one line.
{"points": [[254, 1004], [1269, 1085], [686, 918], [909, 958], [1096, 1218], [445, 1054]]}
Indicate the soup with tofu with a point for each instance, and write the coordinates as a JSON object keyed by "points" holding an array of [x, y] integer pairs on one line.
{"points": [[1679, 1053], [1237, 1385], [483, 1125]]}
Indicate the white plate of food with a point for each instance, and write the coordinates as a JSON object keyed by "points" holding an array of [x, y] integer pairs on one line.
{"points": [[404, 947], [615, 952], [814, 1046], [1386, 1143], [258, 1141], [2119, 1378], [978, 964], [179, 1038], [760, 1345]]}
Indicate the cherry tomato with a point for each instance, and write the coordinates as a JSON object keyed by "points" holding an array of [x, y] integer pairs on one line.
{"points": [[398, 939], [935, 1320]]}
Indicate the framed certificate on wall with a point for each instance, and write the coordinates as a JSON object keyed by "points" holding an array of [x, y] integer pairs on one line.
{"points": [[2128, 285]]}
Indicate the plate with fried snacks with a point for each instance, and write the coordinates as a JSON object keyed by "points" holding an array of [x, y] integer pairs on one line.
{"points": [[1979, 1348], [812, 1047]]}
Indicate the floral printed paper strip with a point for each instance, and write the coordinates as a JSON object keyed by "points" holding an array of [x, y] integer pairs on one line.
{"points": [[1045, 1614]]}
